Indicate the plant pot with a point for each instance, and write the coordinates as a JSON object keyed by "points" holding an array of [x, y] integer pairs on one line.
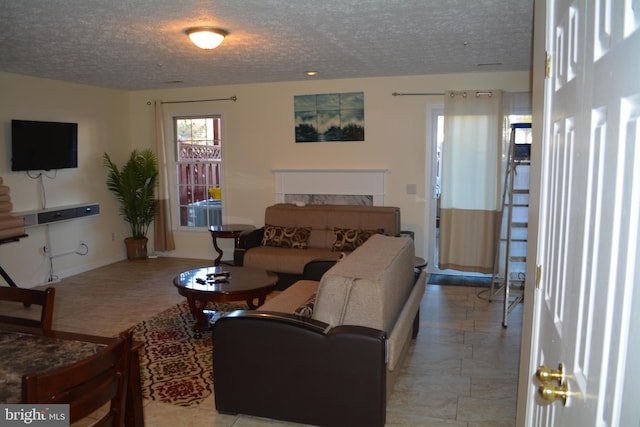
{"points": [[136, 248]]}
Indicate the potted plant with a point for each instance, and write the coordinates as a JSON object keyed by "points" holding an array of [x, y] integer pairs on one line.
{"points": [[134, 186]]}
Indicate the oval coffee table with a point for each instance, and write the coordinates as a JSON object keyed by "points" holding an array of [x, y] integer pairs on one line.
{"points": [[242, 284]]}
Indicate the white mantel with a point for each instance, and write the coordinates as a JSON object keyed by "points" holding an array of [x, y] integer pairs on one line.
{"points": [[356, 182]]}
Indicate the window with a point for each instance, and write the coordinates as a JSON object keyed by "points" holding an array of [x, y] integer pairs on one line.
{"points": [[522, 138], [199, 161]]}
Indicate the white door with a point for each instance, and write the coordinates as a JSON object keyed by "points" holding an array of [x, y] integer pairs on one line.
{"points": [[586, 308]]}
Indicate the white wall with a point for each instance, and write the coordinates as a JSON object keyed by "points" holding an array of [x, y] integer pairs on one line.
{"points": [[100, 115], [258, 136]]}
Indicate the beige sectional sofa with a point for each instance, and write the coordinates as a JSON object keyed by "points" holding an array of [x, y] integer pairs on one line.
{"points": [[294, 235], [328, 360]]}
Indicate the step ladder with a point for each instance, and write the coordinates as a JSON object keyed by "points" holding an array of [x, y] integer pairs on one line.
{"points": [[511, 249]]}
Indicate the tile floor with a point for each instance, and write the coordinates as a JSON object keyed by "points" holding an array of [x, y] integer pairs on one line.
{"points": [[461, 370]]}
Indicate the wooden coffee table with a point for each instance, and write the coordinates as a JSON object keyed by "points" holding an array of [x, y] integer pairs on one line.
{"points": [[242, 284]]}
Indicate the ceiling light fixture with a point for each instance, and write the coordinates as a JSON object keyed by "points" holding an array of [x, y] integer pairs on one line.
{"points": [[206, 37], [312, 73]]}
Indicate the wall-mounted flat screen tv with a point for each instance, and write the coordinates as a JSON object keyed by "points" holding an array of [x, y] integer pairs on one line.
{"points": [[43, 145]]}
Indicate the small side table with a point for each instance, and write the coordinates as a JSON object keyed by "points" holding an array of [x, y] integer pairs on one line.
{"points": [[419, 264], [227, 231]]}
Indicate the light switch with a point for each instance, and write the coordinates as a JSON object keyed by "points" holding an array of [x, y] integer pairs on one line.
{"points": [[411, 189]]}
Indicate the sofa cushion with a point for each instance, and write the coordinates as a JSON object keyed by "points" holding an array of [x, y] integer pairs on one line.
{"points": [[347, 239], [286, 237], [370, 286], [285, 260], [294, 297], [306, 309]]}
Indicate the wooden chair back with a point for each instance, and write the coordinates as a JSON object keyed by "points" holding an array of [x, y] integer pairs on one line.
{"points": [[28, 297], [87, 385]]}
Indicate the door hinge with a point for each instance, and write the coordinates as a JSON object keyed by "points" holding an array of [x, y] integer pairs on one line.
{"points": [[547, 71], [538, 275]]}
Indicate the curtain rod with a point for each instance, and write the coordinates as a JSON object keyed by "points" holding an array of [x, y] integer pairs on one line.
{"points": [[416, 94], [231, 98], [452, 94]]}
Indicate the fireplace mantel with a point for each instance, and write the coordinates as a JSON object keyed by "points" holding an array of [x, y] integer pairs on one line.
{"points": [[354, 182]]}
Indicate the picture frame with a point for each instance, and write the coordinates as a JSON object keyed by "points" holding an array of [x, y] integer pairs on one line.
{"points": [[330, 117]]}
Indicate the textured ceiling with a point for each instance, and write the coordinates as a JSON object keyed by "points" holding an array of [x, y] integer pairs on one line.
{"points": [[140, 44]]}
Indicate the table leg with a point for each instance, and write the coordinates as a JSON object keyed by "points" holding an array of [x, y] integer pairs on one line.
{"points": [[261, 300], [7, 278], [197, 311], [218, 250]]}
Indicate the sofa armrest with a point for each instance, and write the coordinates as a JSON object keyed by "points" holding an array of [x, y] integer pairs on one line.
{"points": [[277, 316], [246, 240], [284, 367]]}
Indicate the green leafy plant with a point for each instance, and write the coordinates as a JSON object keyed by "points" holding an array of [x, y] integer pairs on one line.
{"points": [[134, 186]]}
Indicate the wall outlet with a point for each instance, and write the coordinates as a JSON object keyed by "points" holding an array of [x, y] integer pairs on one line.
{"points": [[113, 236]]}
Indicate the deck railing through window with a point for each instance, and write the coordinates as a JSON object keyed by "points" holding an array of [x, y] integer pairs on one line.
{"points": [[197, 178]]}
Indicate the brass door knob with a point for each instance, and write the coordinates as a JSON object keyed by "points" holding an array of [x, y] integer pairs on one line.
{"points": [[550, 392], [546, 374]]}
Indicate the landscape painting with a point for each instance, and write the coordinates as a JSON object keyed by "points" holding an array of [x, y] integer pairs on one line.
{"points": [[329, 117]]}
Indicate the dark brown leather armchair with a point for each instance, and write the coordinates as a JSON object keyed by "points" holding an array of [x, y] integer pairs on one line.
{"points": [[284, 367]]}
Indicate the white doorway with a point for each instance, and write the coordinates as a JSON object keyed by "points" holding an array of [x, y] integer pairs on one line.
{"points": [[435, 117], [435, 138], [435, 141]]}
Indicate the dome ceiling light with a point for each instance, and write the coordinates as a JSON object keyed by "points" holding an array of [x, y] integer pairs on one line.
{"points": [[206, 37]]}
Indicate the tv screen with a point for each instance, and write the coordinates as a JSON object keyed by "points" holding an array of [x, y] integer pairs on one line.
{"points": [[43, 145]]}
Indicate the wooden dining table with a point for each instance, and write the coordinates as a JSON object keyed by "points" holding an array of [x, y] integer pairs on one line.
{"points": [[28, 350]]}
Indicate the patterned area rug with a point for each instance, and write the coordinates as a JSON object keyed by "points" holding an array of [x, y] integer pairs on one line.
{"points": [[175, 366]]}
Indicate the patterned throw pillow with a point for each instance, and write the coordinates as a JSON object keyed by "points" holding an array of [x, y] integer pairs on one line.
{"points": [[306, 309], [286, 237], [346, 240]]}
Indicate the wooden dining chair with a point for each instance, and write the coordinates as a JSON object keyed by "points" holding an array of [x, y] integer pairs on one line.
{"points": [[87, 385], [28, 297]]}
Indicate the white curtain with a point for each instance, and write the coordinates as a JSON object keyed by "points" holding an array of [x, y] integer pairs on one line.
{"points": [[472, 159], [163, 235]]}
